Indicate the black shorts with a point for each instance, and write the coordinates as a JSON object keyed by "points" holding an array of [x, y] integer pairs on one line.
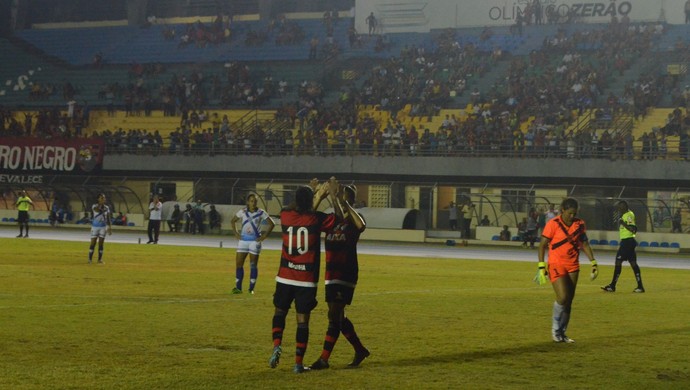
{"points": [[626, 250], [304, 297], [337, 293], [23, 216]]}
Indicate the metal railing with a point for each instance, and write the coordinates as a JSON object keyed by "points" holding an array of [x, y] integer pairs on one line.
{"points": [[675, 149]]}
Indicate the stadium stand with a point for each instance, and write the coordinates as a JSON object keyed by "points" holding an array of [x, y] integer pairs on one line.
{"points": [[481, 78]]}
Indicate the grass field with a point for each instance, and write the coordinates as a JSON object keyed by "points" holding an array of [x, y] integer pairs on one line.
{"points": [[161, 317]]}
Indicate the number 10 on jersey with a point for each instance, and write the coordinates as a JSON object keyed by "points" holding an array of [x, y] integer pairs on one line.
{"points": [[300, 240]]}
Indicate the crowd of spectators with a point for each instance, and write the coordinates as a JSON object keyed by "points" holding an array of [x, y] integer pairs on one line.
{"points": [[333, 131], [51, 123], [425, 78], [547, 88], [201, 35]]}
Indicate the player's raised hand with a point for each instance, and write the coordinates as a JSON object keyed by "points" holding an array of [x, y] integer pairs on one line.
{"points": [[333, 186], [321, 191], [314, 184]]}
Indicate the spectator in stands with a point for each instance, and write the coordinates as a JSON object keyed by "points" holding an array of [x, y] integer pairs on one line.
{"points": [[465, 218], [453, 216], [485, 221], [313, 47], [188, 219], [676, 222], [57, 213], [174, 219], [214, 218], [530, 227], [97, 60], [505, 235], [382, 43], [120, 219], [538, 12], [372, 23], [353, 37], [198, 216]]}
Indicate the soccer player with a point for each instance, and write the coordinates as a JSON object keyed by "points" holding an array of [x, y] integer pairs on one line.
{"points": [[300, 261], [250, 241], [341, 278], [626, 251], [23, 203], [564, 236], [100, 225]]}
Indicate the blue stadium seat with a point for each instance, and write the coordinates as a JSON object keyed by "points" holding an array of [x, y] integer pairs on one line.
{"points": [[5, 220], [495, 238], [675, 245], [12, 220], [644, 244], [653, 244], [665, 245], [593, 242], [613, 242], [515, 238], [130, 223], [603, 242]]}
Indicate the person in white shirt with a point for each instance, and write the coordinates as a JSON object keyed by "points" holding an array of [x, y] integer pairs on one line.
{"points": [[250, 237], [154, 226]]}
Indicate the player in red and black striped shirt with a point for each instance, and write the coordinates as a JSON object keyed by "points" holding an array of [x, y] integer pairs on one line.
{"points": [[342, 271], [300, 260]]}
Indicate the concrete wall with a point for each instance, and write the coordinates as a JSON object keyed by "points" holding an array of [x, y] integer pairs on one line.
{"points": [[137, 219], [553, 171]]}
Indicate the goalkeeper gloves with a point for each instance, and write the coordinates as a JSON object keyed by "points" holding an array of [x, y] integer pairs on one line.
{"points": [[595, 271], [542, 275]]}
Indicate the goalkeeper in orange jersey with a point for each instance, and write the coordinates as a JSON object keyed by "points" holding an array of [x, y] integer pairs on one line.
{"points": [[564, 237]]}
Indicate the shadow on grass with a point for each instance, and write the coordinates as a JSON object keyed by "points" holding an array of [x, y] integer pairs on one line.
{"points": [[540, 347]]}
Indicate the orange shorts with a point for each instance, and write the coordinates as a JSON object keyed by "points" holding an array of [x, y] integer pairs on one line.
{"points": [[558, 270]]}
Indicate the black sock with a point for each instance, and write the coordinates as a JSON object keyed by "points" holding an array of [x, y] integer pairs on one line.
{"points": [[331, 338], [350, 334], [278, 327], [301, 342], [638, 274], [616, 272]]}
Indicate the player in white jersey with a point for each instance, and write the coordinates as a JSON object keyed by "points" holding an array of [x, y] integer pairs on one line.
{"points": [[100, 225], [250, 237]]}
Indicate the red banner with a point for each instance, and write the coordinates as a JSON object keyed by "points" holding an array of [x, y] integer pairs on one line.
{"points": [[34, 155]]}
